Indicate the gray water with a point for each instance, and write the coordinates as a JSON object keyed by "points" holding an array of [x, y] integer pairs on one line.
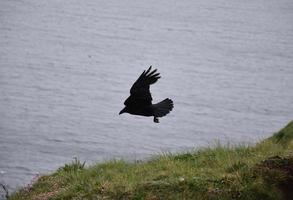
{"points": [[66, 68]]}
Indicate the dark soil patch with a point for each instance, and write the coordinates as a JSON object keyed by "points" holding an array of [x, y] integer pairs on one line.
{"points": [[278, 171]]}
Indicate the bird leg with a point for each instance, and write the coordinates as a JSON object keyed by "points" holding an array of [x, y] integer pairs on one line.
{"points": [[156, 120]]}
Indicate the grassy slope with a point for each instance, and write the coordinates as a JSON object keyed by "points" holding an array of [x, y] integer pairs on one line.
{"points": [[263, 171]]}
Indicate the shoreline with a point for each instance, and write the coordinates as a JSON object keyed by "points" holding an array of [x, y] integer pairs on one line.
{"points": [[260, 171]]}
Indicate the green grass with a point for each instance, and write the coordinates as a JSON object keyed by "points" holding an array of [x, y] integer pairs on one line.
{"points": [[285, 135], [263, 171]]}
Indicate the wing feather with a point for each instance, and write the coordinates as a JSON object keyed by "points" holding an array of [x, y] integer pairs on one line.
{"points": [[140, 91]]}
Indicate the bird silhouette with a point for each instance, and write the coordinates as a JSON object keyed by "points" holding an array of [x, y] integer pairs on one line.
{"points": [[140, 100]]}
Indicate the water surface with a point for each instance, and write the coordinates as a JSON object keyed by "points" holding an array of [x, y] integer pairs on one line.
{"points": [[67, 66]]}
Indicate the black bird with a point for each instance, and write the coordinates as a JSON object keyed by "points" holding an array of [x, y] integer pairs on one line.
{"points": [[140, 100]]}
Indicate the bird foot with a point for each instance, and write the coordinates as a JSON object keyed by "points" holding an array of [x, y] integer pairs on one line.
{"points": [[156, 120]]}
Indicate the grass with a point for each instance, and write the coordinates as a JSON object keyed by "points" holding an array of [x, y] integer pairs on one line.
{"points": [[263, 171]]}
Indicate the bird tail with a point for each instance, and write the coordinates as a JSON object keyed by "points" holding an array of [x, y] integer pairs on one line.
{"points": [[163, 108]]}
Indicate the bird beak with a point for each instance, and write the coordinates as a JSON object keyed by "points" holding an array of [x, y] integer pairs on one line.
{"points": [[122, 111]]}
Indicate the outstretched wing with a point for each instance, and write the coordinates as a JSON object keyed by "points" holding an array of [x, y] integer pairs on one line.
{"points": [[140, 91]]}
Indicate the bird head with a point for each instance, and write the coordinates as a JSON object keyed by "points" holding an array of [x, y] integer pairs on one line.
{"points": [[124, 110]]}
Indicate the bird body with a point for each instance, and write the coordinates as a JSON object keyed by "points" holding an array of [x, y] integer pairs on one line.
{"points": [[140, 100]]}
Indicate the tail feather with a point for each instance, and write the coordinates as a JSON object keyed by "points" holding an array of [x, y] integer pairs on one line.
{"points": [[163, 108]]}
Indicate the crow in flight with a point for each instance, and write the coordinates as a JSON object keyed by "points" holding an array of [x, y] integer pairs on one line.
{"points": [[140, 100]]}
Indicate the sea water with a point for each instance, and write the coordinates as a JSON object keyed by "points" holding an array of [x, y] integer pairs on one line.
{"points": [[66, 68]]}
